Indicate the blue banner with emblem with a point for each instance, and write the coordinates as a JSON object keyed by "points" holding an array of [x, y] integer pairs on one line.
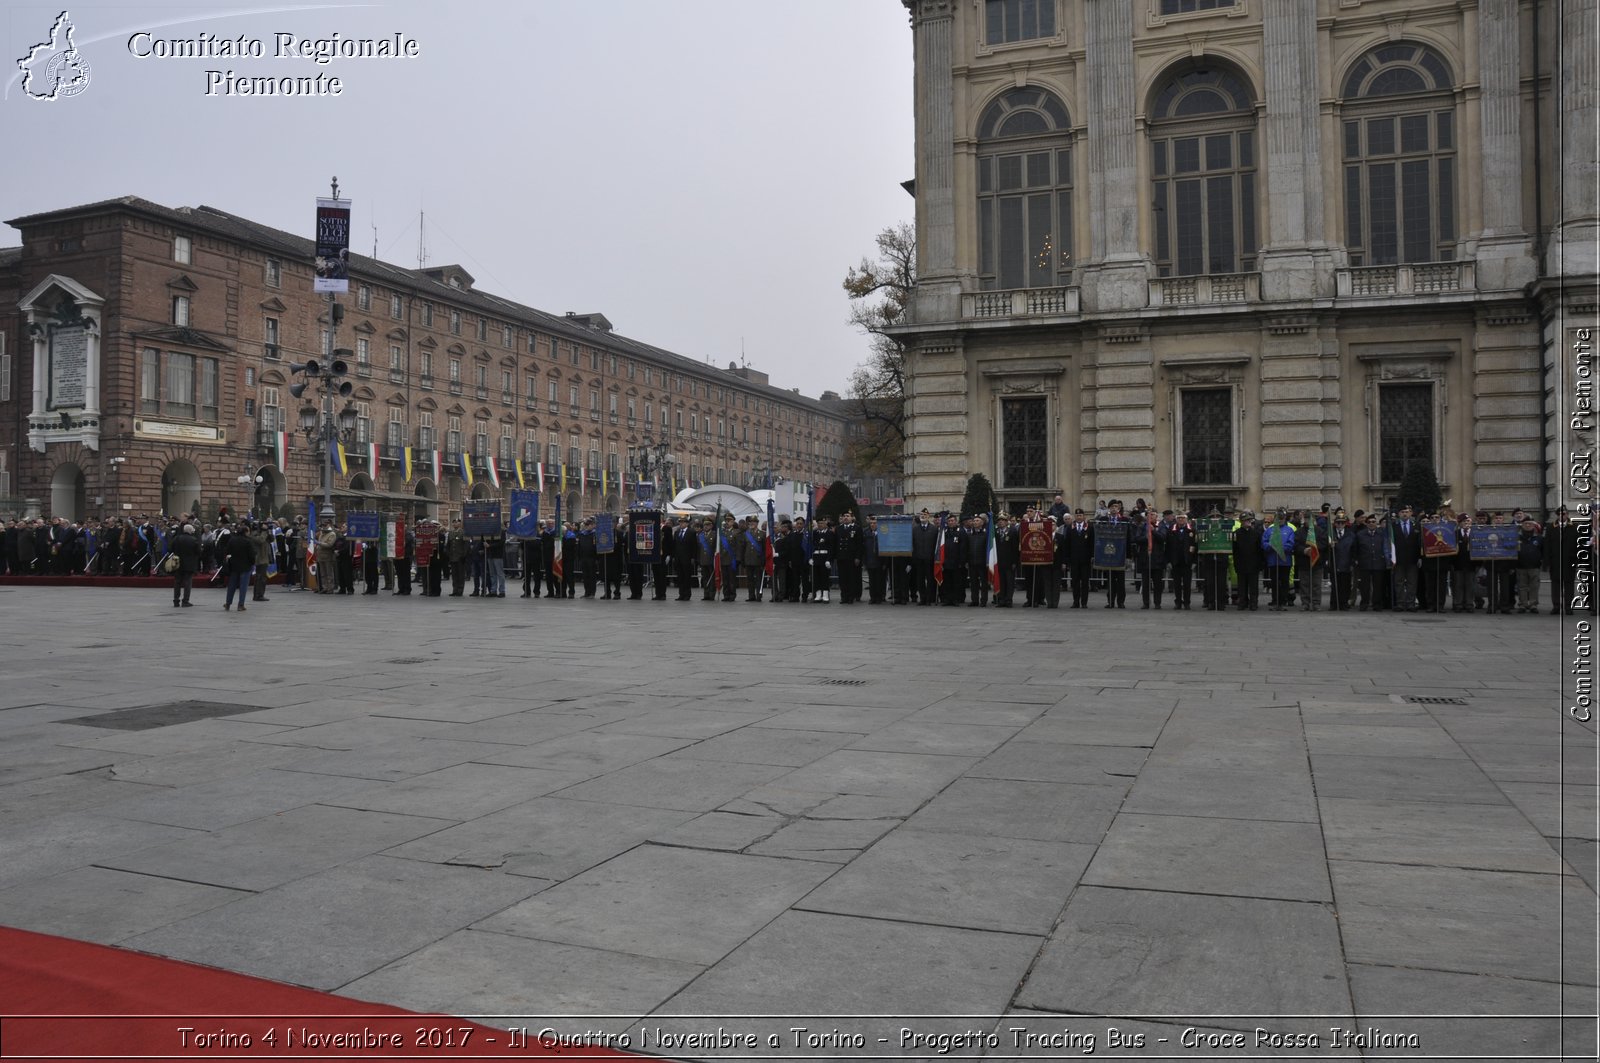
{"points": [[1494, 542], [361, 524], [644, 537], [894, 535], [524, 513], [480, 518], [605, 533], [1110, 545]]}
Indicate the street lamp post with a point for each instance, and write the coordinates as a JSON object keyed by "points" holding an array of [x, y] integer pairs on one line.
{"points": [[648, 462], [251, 486]]}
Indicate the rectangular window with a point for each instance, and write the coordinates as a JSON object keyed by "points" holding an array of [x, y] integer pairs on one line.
{"points": [[483, 330], [507, 382], [271, 412], [364, 297], [149, 380], [1007, 21], [180, 310], [270, 331], [1207, 435], [181, 249], [180, 384], [483, 377], [455, 322], [395, 309], [396, 357], [1025, 442], [363, 351], [274, 273], [425, 365], [455, 370], [1184, 7], [555, 394], [1405, 429], [506, 336], [364, 423], [427, 314], [209, 390]]}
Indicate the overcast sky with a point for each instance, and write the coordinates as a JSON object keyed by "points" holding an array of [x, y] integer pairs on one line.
{"points": [[700, 171]]}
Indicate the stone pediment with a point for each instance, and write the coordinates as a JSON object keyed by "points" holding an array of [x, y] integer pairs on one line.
{"points": [[183, 336], [79, 294]]}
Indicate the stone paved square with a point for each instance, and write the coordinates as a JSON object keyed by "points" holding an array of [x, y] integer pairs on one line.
{"points": [[661, 809]]}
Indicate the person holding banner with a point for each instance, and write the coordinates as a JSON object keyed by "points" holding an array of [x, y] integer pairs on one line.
{"points": [[1342, 542], [1278, 541], [1309, 555], [1150, 557], [1216, 547]]}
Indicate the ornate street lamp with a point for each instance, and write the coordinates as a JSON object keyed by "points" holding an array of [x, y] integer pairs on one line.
{"points": [[649, 462]]}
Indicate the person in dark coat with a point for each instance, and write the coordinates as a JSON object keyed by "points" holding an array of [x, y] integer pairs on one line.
{"points": [[1343, 542], [1079, 558], [660, 571], [848, 556], [1008, 550], [1561, 559], [1372, 564], [791, 555], [978, 561], [924, 541], [1463, 570], [1407, 560], [1183, 549], [185, 546], [1529, 563], [240, 564], [1248, 561], [824, 543], [876, 565], [685, 553], [1149, 546]]}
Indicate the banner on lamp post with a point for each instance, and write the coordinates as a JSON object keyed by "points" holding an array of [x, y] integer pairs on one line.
{"points": [[333, 246]]}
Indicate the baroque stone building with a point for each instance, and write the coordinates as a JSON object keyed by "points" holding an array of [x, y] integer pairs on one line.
{"points": [[144, 367], [1248, 252]]}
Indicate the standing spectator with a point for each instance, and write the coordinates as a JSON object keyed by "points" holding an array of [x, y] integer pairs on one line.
{"points": [[239, 563], [261, 538], [185, 546], [1530, 560]]}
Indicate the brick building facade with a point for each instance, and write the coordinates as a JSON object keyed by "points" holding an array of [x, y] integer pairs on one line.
{"points": [[145, 357]]}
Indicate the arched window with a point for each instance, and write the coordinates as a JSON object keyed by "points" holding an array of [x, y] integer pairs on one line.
{"points": [[1399, 157], [1024, 192], [1203, 159]]}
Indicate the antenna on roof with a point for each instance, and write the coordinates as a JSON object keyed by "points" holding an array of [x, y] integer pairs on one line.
{"points": [[374, 241], [422, 240]]}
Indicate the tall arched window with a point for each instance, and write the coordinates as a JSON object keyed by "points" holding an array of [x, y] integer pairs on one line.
{"points": [[1399, 157], [1024, 192], [1203, 159]]}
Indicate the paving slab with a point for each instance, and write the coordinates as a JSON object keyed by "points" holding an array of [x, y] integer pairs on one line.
{"points": [[1478, 836], [263, 853], [757, 744], [107, 906], [327, 929], [1500, 923], [965, 880], [476, 972], [1135, 952], [460, 792], [547, 837], [1186, 789], [728, 831], [675, 782], [1190, 854], [879, 774], [50, 845], [838, 841], [225, 802], [394, 758], [682, 905], [1058, 812], [1447, 779]]}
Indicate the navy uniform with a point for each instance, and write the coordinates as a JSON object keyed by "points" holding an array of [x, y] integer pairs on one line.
{"points": [[954, 553], [1182, 550], [1248, 561], [849, 551], [1150, 550], [1009, 552], [924, 542], [1080, 558], [824, 541], [978, 562]]}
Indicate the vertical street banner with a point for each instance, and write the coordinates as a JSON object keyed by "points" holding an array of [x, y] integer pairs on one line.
{"points": [[333, 246], [525, 514]]}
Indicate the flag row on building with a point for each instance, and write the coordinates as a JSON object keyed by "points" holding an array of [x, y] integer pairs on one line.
{"points": [[521, 473]]}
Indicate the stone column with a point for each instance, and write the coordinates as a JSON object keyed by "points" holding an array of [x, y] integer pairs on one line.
{"points": [[1572, 250], [1295, 262], [1117, 274], [938, 292], [938, 437], [1505, 253]]}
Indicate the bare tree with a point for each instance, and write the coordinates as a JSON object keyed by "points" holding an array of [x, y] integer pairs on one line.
{"points": [[879, 292]]}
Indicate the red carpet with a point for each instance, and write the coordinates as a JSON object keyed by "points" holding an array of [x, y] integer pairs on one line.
{"points": [[67, 999]]}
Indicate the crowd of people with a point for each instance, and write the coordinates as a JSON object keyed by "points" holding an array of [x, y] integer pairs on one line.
{"points": [[1307, 559]]}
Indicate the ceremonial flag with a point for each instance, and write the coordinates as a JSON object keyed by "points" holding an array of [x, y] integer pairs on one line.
{"points": [[280, 446], [494, 473], [372, 462], [772, 525], [516, 464], [583, 479], [563, 477], [938, 556], [538, 477], [310, 581], [1275, 540], [466, 468], [340, 464], [438, 470], [716, 550], [1390, 547], [993, 555], [407, 457], [1312, 553], [674, 487], [559, 558], [605, 482]]}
